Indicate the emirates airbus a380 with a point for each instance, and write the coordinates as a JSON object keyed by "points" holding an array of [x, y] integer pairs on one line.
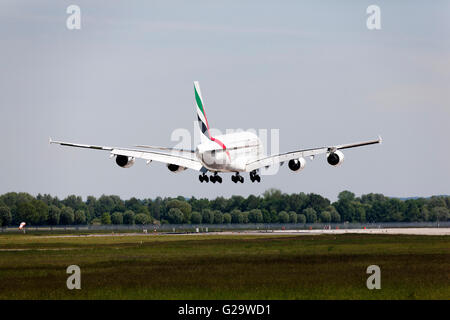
{"points": [[235, 152]]}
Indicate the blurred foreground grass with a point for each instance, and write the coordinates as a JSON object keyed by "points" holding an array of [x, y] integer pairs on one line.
{"points": [[225, 267]]}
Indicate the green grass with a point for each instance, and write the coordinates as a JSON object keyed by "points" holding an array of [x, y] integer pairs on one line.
{"points": [[225, 267]]}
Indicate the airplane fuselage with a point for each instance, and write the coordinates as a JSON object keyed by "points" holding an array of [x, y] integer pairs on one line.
{"points": [[229, 152]]}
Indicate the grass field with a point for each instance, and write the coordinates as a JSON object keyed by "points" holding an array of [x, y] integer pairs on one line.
{"points": [[225, 267]]}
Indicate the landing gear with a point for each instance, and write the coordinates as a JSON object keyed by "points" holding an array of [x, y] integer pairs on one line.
{"points": [[254, 176], [215, 178], [203, 177], [237, 178]]}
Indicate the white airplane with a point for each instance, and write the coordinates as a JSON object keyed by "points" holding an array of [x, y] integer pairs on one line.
{"points": [[235, 152]]}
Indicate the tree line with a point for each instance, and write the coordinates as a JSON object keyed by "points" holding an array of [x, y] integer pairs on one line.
{"points": [[272, 206]]}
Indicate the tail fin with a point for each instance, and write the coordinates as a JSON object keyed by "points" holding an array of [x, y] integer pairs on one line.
{"points": [[201, 115]]}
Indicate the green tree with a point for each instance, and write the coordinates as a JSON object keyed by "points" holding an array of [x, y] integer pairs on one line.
{"points": [[207, 216], [54, 214], [301, 218], [183, 206], [236, 216], [218, 217], [156, 208], [104, 204], [335, 217], [245, 217], [292, 217], [134, 205], [90, 208], [317, 202], [325, 216], [311, 215], [41, 211], [79, 217], [67, 216], [74, 202], [412, 212], [274, 216], [424, 214], [96, 221], [196, 217], [5, 216], [439, 214], [255, 216], [219, 204], [360, 212], [106, 218], [26, 212], [128, 217], [175, 215], [267, 217], [283, 217], [143, 218], [117, 218], [346, 196], [252, 202], [226, 218]]}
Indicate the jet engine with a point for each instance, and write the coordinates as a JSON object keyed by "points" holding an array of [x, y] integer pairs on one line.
{"points": [[335, 158], [124, 161], [175, 168], [297, 165]]}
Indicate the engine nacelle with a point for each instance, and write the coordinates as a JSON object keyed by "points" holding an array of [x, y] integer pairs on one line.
{"points": [[335, 158], [124, 161], [297, 165], [175, 168]]}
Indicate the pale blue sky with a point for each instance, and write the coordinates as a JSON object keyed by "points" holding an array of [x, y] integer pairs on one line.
{"points": [[312, 70]]}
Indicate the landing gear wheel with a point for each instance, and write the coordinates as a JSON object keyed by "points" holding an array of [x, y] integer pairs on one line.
{"points": [[206, 178], [237, 178], [200, 177], [215, 178], [258, 178]]}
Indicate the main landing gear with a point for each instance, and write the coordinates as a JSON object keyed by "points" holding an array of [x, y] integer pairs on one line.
{"points": [[203, 177], [237, 178], [254, 176], [213, 178]]}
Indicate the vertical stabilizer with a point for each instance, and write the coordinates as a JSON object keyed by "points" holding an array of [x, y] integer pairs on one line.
{"points": [[201, 115]]}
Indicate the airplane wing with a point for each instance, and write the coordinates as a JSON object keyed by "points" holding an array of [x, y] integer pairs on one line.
{"points": [[280, 158], [186, 160]]}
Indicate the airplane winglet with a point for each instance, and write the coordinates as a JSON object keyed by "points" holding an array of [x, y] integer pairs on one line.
{"points": [[380, 140], [50, 140]]}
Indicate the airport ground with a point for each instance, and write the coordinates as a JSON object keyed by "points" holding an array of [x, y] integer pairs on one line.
{"points": [[311, 264]]}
